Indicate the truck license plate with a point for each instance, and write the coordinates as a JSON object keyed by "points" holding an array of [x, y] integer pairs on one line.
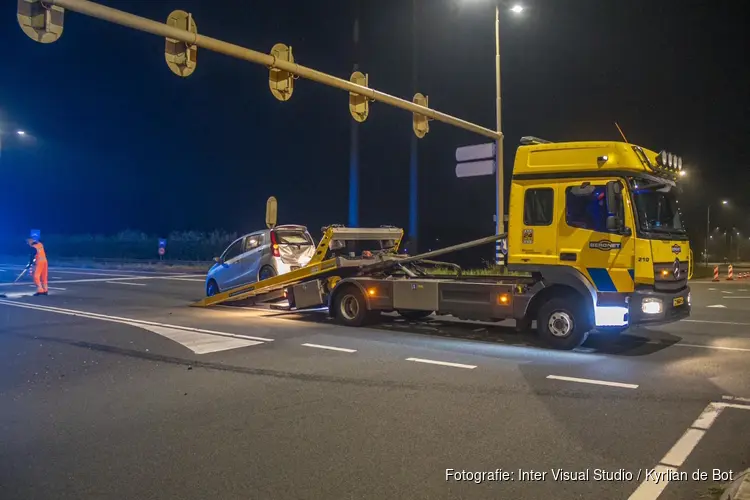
{"points": [[678, 301]]}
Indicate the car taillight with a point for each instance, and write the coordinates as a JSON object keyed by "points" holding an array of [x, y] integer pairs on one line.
{"points": [[274, 245]]}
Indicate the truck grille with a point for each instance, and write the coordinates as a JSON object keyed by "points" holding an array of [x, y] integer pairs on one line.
{"points": [[667, 282]]}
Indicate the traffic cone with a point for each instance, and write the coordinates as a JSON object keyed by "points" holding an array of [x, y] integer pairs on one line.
{"points": [[716, 273], [730, 276]]}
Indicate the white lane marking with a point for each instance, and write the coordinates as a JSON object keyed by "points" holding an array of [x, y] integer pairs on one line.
{"points": [[718, 306], [714, 322], [200, 343], [119, 319], [655, 482], [99, 280], [717, 347], [87, 273], [184, 279], [121, 272], [739, 297], [330, 348], [56, 288], [714, 289], [736, 398], [593, 381], [724, 291], [443, 363], [125, 283], [742, 290]]}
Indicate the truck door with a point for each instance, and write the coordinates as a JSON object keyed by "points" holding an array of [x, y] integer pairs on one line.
{"points": [[605, 257], [539, 235]]}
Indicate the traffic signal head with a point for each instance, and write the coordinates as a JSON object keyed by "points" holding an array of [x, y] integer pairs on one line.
{"points": [[359, 105], [420, 123], [281, 82]]}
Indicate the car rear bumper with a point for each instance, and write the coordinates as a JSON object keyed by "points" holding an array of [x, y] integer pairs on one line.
{"points": [[675, 306]]}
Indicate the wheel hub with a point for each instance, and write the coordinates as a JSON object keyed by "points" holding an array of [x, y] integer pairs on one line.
{"points": [[560, 324], [349, 307]]}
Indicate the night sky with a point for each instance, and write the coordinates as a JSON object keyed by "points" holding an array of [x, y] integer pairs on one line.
{"points": [[120, 142]]}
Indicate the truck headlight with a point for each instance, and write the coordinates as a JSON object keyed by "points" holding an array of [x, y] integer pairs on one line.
{"points": [[651, 305]]}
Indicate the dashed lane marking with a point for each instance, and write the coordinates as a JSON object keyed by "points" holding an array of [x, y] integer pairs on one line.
{"points": [[659, 477], [718, 306], [443, 363], [717, 347], [593, 381], [330, 348], [736, 323], [125, 283]]}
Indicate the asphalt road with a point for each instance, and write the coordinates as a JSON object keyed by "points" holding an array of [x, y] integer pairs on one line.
{"points": [[111, 387]]}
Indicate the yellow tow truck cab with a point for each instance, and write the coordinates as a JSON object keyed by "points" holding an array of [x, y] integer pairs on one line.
{"points": [[601, 220]]}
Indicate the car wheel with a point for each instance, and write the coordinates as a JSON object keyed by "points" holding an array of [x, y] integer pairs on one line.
{"points": [[562, 324], [266, 272], [212, 288]]}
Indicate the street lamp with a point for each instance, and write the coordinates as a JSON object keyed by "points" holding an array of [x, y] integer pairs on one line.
{"points": [[499, 175], [708, 225]]}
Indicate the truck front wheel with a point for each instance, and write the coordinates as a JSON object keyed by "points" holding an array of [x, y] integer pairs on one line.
{"points": [[562, 324]]}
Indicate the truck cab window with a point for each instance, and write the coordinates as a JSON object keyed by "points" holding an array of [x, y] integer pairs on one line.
{"points": [[589, 211], [538, 206]]}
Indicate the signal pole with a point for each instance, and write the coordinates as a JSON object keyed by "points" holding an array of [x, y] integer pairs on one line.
{"points": [[354, 138]]}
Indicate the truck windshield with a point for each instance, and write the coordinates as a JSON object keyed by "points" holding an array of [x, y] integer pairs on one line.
{"points": [[656, 207]]}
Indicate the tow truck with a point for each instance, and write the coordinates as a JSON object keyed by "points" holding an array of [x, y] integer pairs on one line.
{"points": [[594, 227]]}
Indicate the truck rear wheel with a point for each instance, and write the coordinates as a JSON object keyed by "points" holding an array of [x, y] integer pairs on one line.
{"points": [[562, 324], [350, 307]]}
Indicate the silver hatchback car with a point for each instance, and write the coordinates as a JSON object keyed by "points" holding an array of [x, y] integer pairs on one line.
{"points": [[260, 255]]}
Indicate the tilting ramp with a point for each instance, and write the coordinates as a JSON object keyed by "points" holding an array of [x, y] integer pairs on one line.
{"points": [[334, 256]]}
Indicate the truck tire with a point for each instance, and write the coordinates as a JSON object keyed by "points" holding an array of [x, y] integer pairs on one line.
{"points": [[412, 315], [350, 307], [562, 324]]}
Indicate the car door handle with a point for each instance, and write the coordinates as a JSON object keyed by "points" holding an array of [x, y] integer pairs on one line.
{"points": [[568, 257]]}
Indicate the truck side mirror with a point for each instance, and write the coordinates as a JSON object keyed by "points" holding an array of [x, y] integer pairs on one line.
{"points": [[614, 197], [218, 260]]}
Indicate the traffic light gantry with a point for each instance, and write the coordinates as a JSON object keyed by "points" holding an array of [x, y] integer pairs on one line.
{"points": [[42, 21]]}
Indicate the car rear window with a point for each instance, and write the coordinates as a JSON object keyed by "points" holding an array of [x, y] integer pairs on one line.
{"points": [[292, 238]]}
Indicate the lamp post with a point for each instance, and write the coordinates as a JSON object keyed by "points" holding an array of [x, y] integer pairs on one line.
{"points": [[500, 175], [499, 171], [708, 225]]}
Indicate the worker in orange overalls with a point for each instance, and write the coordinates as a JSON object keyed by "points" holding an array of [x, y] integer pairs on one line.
{"points": [[39, 257]]}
